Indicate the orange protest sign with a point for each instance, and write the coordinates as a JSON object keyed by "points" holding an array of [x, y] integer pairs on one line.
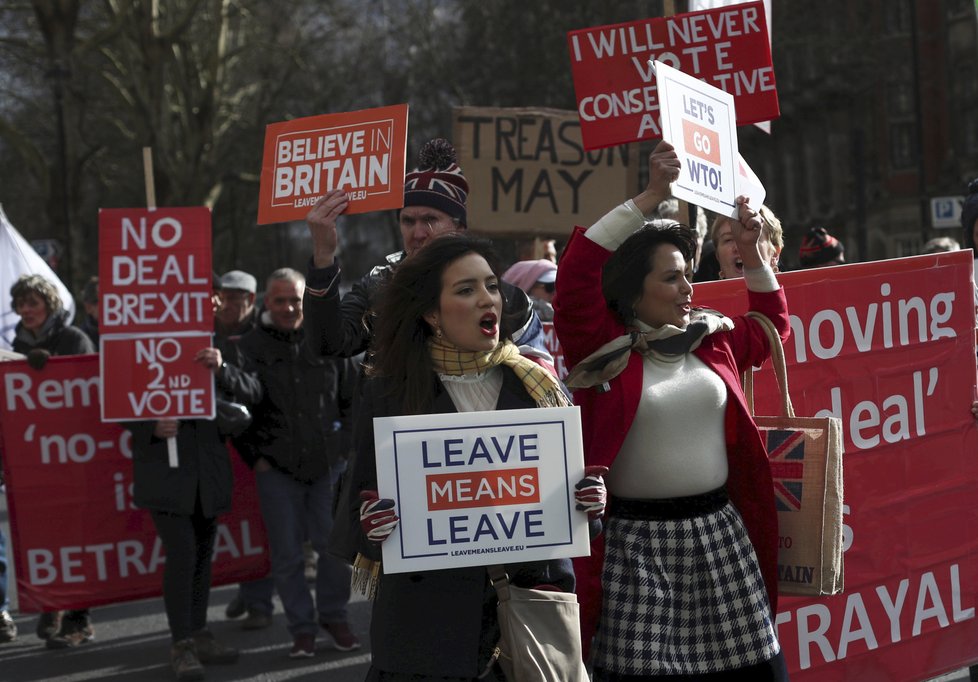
{"points": [[361, 152]]}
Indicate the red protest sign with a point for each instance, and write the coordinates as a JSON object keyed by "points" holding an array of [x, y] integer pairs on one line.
{"points": [[155, 270], [360, 152], [889, 348], [77, 541], [552, 345], [155, 377], [617, 100]]}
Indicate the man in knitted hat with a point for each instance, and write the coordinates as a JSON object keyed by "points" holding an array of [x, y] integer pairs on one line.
{"points": [[435, 196], [819, 249]]}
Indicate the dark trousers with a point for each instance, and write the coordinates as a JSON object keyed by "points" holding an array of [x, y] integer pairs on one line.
{"points": [[189, 545]]}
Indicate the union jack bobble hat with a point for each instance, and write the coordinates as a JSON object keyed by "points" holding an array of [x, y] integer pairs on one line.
{"points": [[438, 181]]}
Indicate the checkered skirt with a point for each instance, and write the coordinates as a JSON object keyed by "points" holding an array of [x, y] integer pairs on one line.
{"points": [[682, 597]]}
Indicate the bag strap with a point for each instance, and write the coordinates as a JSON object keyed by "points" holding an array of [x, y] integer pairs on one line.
{"points": [[778, 362], [499, 580]]}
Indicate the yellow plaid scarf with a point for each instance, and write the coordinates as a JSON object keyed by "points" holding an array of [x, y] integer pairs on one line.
{"points": [[538, 382]]}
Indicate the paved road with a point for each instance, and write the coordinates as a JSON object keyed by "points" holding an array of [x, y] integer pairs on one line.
{"points": [[132, 643]]}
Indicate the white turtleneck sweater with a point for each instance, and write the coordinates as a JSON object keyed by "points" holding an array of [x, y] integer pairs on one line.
{"points": [[675, 446]]}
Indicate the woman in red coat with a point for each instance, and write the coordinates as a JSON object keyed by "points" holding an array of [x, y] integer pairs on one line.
{"points": [[686, 585]]}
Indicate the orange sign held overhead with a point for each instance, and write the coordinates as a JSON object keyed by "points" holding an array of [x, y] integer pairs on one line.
{"points": [[360, 152]]}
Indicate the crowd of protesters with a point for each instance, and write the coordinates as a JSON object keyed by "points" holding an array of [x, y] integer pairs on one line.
{"points": [[439, 327]]}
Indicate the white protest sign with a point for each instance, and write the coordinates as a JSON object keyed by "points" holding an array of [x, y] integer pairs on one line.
{"points": [[699, 120], [481, 488], [748, 184]]}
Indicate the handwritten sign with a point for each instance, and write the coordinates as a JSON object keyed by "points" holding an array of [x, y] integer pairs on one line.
{"points": [[699, 121], [360, 152], [481, 488], [533, 173]]}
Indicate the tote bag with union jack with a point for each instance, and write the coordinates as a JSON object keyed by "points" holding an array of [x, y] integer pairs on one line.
{"points": [[806, 464]]}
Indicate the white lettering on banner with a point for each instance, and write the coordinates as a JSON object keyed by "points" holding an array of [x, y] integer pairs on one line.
{"points": [[685, 30], [814, 620], [142, 270], [162, 401], [917, 322], [896, 426], [165, 233], [50, 394], [154, 308], [365, 171], [110, 561]]}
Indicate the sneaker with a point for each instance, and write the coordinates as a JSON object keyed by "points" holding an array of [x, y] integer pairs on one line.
{"points": [[48, 623], [76, 629], [211, 652], [235, 608], [8, 629], [256, 620], [186, 665], [303, 646], [343, 639]]}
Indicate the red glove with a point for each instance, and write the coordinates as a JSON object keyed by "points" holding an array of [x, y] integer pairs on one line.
{"points": [[377, 517], [590, 492]]}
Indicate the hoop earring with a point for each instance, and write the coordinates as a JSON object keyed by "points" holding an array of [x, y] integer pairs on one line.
{"points": [[437, 332]]}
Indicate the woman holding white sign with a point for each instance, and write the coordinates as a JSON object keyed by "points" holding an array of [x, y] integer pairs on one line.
{"points": [[687, 586], [439, 349]]}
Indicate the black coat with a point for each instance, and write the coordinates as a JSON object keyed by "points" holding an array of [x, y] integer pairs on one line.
{"points": [[204, 468], [344, 328], [303, 416], [60, 340], [436, 623]]}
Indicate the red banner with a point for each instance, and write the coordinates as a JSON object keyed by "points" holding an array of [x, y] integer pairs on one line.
{"points": [[617, 100], [889, 347], [154, 270], [77, 541], [360, 152]]}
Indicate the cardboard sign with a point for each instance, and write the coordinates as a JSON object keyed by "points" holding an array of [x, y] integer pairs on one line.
{"points": [[530, 173], [615, 87], [889, 348], [360, 152], [699, 121], [77, 540], [152, 377], [155, 270], [481, 488]]}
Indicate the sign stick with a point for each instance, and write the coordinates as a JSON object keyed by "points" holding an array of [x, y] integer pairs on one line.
{"points": [[171, 442]]}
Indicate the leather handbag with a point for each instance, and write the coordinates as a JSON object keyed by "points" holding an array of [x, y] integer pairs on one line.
{"points": [[806, 463], [540, 634]]}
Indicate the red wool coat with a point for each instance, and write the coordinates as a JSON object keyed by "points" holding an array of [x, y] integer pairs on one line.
{"points": [[583, 323]]}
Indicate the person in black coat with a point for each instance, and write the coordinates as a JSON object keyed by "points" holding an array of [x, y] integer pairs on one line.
{"points": [[438, 624], [185, 502], [43, 331]]}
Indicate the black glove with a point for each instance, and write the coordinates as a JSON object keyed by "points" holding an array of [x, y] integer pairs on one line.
{"points": [[38, 358]]}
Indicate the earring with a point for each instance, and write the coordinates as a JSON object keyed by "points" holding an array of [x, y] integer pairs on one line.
{"points": [[437, 331]]}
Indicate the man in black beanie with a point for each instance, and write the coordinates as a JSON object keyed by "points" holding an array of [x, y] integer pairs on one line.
{"points": [[435, 196]]}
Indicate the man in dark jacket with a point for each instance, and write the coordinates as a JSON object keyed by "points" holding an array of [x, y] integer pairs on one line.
{"points": [[435, 197], [297, 444], [236, 316]]}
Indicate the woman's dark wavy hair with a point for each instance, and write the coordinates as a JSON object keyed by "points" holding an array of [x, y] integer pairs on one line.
{"points": [[623, 278], [400, 346]]}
